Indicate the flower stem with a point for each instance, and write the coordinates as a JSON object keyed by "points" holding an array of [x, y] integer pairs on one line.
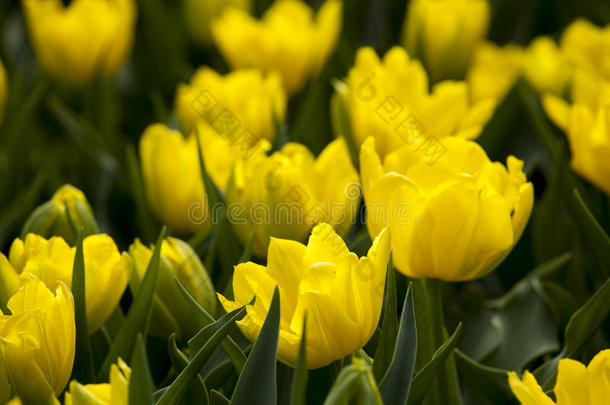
{"points": [[431, 333]]}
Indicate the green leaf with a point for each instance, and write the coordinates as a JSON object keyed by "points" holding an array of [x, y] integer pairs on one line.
{"points": [[492, 381], [581, 327], [425, 377], [341, 124], [237, 356], [140, 382], [389, 330], [257, 383], [138, 317], [143, 213], [181, 384], [396, 383], [214, 197], [593, 232], [298, 388], [197, 393], [216, 398], [84, 370]]}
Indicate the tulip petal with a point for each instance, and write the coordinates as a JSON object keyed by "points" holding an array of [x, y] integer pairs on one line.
{"points": [[527, 390], [571, 385]]}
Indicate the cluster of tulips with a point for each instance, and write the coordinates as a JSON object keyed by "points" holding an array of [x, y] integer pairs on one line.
{"points": [[76, 311]]}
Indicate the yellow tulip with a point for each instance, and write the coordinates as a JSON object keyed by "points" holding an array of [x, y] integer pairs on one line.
{"points": [[244, 103], [585, 123], [37, 341], [284, 195], [172, 173], [576, 383], [84, 39], [67, 212], [340, 294], [444, 33], [200, 13], [114, 393], [171, 312], [494, 70], [289, 39], [107, 271], [389, 99], [545, 66], [454, 220], [588, 47], [3, 90]]}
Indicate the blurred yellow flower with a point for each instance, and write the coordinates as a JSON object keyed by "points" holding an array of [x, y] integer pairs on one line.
{"points": [[390, 100], [289, 39], [455, 219], [86, 38], [588, 47], [37, 342], [200, 13], [67, 212], [576, 383], [444, 33], [171, 312], [3, 90], [107, 271], [495, 69], [172, 174], [284, 195], [340, 293], [586, 123], [114, 393], [243, 103]]}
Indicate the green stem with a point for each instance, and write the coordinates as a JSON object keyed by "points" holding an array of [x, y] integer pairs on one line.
{"points": [[431, 333]]}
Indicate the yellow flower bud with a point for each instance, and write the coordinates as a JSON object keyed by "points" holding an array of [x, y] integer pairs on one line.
{"points": [[576, 383], [389, 99], [587, 47], [243, 103], [284, 195], [340, 293], [114, 393], [3, 90], [455, 219], [172, 173], [84, 39], [64, 215], [37, 341], [444, 33], [171, 312], [107, 271], [586, 124], [289, 39], [200, 13]]}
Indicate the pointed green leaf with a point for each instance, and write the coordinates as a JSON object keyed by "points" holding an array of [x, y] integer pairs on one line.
{"points": [[389, 329], [140, 382], [84, 370], [341, 124], [593, 231], [216, 398], [396, 383], [181, 384], [138, 317], [425, 377], [298, 388], [257, 383], [237, 356], [143, 213], [492, 381], [197, 393]]}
